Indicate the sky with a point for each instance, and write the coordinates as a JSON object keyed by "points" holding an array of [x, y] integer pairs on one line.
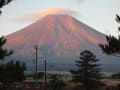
{"points": [[99, 14]]}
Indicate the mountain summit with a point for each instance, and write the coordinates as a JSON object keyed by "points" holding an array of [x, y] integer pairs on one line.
{"points": [[59, 35], [60, 38]]}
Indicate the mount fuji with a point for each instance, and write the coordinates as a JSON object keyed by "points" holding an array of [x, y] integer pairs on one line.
{"points": [[60, 39]]}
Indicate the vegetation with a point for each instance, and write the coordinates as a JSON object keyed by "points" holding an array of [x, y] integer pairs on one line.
{"points": [[3, 52], [40, 75], [55, 83], [112, 47], [88, 73], [115, 76], [3, 3], [12, 71]]}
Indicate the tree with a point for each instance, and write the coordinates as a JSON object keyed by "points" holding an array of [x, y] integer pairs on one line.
{"points": [[112, 47], [88, 72], [40, 75], [3, 52], [3, 3], [12, 71], [55, 83], [115, 76]]}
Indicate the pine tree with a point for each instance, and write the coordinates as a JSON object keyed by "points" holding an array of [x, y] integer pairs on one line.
{"points": [[3, 52], [112, 47], [88, 72], [12, 71], [3, 3]]}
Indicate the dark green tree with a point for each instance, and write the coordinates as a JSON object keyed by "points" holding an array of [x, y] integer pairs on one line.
{"points": [[40, 75], [3, 3], [112, 47], [55, 83], [115, 76], [3, 52], [88, 73], [12, 71], [118, 87]]}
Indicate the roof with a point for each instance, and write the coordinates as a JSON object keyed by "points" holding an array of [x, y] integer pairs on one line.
{"points": [[33, 81]]}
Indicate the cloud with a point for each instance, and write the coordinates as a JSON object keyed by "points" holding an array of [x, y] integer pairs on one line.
{"points": [[45, 12]]}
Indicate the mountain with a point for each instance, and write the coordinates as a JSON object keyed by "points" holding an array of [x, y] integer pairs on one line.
{"points": [[60, 39]]}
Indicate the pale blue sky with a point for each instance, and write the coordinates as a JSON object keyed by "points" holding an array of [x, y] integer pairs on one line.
{"points": [[99, 14]]}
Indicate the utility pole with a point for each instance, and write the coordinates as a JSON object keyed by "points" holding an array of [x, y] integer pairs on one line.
{"points": [[45, 81], [36, 50], [36, 59]]}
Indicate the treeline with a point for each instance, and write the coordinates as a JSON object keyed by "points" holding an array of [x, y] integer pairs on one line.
{"points": [[13, 71]]}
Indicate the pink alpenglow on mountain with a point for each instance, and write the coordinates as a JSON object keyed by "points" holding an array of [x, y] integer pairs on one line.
{"points": [[60, 39]]}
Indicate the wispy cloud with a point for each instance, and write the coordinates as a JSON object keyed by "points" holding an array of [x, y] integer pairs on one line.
{"points": [[42, 13]]}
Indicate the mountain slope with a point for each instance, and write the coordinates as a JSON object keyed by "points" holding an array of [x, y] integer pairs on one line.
{"points": [[60, 39], [59, 32]]}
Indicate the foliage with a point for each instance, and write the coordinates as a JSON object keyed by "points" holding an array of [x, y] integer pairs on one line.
{"points": [[12, 71], [3, 52], [55, 83], [88, 73], [115, 76], [40, 75], [3, 3], [118, 87], [112, 47]]}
